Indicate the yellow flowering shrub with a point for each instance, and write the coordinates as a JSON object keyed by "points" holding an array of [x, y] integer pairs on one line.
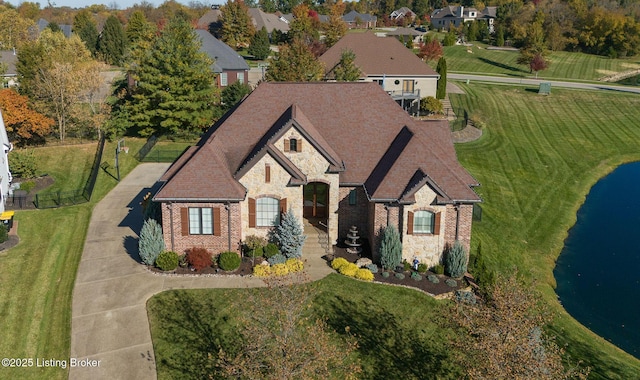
{"points": [[279, 270], [337, 263], [294, 265], [262, 271], [364, 274], [349, 269]]}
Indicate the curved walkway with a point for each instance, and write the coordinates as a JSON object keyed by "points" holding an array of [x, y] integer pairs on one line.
{"points": [[109, 318]]}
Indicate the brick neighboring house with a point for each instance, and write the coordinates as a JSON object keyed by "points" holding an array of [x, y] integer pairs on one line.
{"points": [[386, 61], [354, 19], [211, 21], [341, 153], [227, 63]]}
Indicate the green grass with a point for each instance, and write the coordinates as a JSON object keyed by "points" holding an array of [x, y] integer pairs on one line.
{"points": [[564, 65]]}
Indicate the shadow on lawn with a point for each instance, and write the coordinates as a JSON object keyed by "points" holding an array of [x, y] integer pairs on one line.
{"points": [[388, 348], [502, 65]]}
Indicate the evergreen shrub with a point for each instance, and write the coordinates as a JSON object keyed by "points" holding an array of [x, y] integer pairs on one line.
{"points": [[390, 248], [422, 268], [262, 271], [385, 274], [151, 241], [349, 269], [271, 250], [451, 282], [416, 276], [433, 278], [167, 260], [338, 262], [279, 270], [294, 265], [364, 274], [277, 259], [373, 268], [455, 260], [289, 236], [400, 276], [229, 261]]}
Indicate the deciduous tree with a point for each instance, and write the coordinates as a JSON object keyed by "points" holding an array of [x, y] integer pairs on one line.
{"points": [[14, 29], [24, 125], [336, 28], [430, 50], [294, 63], [302, 27], [237, 28]]}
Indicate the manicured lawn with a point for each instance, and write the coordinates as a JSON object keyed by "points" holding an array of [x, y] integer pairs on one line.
{"points": [[564, 65], [536, 163]]}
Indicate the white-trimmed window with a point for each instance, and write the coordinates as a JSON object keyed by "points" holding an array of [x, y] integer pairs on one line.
{"points": [[423, 222], [267, 212], [200, 221], [223, 79], [240, 78]]}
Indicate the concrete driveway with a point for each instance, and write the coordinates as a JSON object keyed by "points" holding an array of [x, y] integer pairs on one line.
{"points": [[110, 333]]}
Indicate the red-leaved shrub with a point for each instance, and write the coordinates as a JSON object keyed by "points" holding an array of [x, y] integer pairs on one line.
{"points": [[199, 258]]}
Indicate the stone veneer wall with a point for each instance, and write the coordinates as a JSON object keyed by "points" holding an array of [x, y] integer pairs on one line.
{"points": [[215, 244], [353, 215]]}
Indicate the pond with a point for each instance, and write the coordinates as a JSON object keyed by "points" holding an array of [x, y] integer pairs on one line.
{"points": [[598, 271]]}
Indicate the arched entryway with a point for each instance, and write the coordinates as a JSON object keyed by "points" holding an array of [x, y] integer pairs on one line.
{"points": [[315, 200]]}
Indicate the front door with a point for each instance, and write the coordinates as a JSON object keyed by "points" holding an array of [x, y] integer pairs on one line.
{"points": [[316, 199]]}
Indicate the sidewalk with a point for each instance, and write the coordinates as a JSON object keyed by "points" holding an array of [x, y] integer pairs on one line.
{"points": [[109, 319]]}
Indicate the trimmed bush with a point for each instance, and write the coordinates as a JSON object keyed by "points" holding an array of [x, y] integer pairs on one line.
{"points": [[198, 257], [289, 236], [338, 262], [455, 260], [373, 268], [385, 274], [262, 271], [465, 296], [416, 276], [451, 282], [254, 246], [294, 265], [364, 274], [167, 260], [349, 269], [4, 235], [433, 278], [23, 164], [438, 269], [406, 265], [277, 259], [229, 261], [151, 241], [400, 276], [390, 248], [279, 270], [271, 250], [27, 186], [422, 268]]}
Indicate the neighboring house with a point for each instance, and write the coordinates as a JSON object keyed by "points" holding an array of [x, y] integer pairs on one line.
{"points": [[354, 19], [211, 21], [458, 15], [406, 34], [5, 174], [66, 29], [227, 63], [403, 13], [8, 60], [386, 61], [341, 154]]}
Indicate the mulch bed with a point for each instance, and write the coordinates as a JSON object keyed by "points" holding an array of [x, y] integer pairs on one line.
{"points": [[41, 183], [13, 238], [246, 268]]}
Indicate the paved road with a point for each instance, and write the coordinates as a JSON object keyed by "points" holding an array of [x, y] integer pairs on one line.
{"points": [[536, 82], [109, 318]]}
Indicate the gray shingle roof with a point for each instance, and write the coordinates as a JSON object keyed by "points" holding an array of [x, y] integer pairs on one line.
{"points": [[9, 59], [225, 58]]}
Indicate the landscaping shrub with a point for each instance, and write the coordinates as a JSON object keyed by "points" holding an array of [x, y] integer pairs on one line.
{"points": [[182, 261], [385, 274], [455, 260], [484, 276], [27, 186], [373, 268], [271, 250], [262, 271], [229, 261], [199, 258], [279, 270], [438, 269], [338, 262], [151, 241], [167, 260], [465, 296], [277, 259], [422, 268], [289, 236], [406, 266], [451, 282], [400, 276], [390, 248], [349, 269], [23, 164], [4, 235], [433, 278], [254, 246], [294, 265], [416, 276], [364, 274]]}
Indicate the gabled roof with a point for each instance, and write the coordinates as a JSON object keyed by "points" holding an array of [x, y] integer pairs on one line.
{"points": [[357, 125], [9, 58], [364, 17], [224, 57], [269, 20], [403, 31], [377, 56], [66, 29]]}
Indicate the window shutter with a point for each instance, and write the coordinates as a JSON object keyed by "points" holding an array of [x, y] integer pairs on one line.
{"points": [[283, 205], [267, 173], [216, 222], [436, 224], [410, 223], [286, 145], [252, 212], [299, 145], [184, 220]]}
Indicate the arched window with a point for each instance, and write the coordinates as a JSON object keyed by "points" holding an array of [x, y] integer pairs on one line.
{"points": [[267, 212], [423, 222], [293, 145]]}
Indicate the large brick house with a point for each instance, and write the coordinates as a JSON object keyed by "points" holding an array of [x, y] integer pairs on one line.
{"points": [[342, 153]]}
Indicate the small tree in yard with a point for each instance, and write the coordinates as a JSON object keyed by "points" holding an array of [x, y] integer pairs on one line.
{"points": [[430, 105], [390, 248], [455, 260], [538, 63], [151, 242], [430, 50], [441, 90], [289, 236], [346, 69], [260, 47]]}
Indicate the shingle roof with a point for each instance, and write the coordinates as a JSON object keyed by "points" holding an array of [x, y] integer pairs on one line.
{"points": [[379, 144], [9, 59], [364, 17], [377, 56], [225, 58], [269, 20]]}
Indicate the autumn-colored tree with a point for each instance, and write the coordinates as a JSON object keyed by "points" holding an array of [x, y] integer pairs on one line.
{"points": [[280, 342], [505, 336], [237, 28], [302, 27], [24, 125], [294, 63], [14, 29], [538, 63], [431, 50], [336, 28]]}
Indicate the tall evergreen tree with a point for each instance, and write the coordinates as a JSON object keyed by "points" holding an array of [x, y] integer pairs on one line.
{"points": [[260, 47], [85, 27], [441, 90], [113, 42], [237, 28], [390, 248], [139, 29], [175, 92], [346, 70]]}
